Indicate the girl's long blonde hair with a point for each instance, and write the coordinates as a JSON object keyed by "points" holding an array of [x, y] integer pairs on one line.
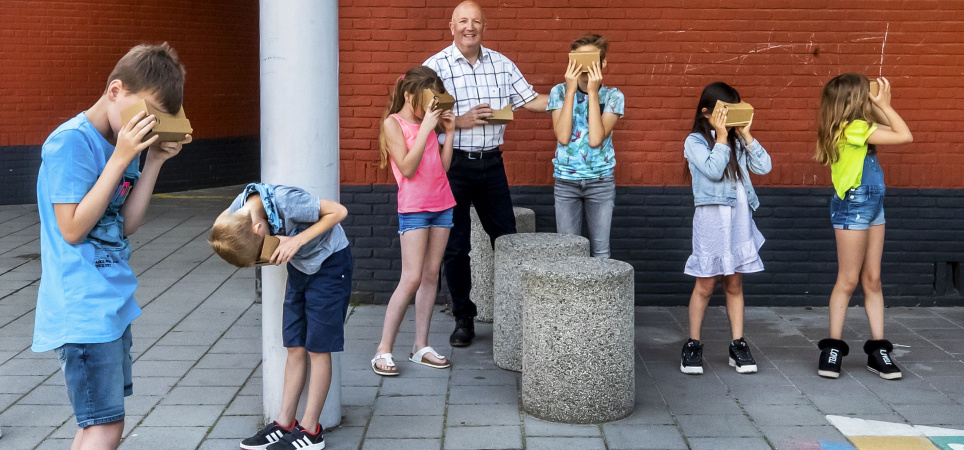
{"points": [[414, 82], [845, 98]]}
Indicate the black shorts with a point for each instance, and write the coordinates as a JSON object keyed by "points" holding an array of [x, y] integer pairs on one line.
{"points": [[316, 305]]}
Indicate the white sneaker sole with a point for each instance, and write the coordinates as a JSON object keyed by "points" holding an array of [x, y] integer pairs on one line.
{"points": [[828, 374], [886, 376], [691, 370], [750, 368]]}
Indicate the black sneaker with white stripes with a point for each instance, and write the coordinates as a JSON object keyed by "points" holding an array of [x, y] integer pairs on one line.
{"points": [[880, 360], [267, 436], [691, 361], [740, 357], [300, 439]]}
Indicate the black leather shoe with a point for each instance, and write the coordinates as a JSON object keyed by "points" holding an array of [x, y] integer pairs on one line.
{"points": [[463, 334]]}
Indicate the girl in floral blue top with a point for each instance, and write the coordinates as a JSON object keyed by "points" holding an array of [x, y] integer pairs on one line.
{"points": [[584, 113]]}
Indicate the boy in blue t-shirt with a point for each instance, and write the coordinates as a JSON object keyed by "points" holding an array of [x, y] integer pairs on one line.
{"points": [[316, 296], [91, 196]]}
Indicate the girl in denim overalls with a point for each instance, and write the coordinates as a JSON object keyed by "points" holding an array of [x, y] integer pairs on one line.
{"points": [[851, 119], [726, 241]]}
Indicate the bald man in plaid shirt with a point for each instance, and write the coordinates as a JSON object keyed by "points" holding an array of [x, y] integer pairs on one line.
{"points": [[481, 80]]}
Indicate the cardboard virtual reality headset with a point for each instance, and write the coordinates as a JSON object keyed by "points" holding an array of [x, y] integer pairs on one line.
{"points": [[737, 114], [437, 100], [268, 246], [501, 116], [585, 58], [874, 88], [170, 127]]}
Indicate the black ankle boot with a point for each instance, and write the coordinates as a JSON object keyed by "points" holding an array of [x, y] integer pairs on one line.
{"points": [[832, 352], [464, 332], [880, 360]]}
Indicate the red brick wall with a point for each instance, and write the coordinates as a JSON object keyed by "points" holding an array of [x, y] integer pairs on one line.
{"points": [[777, 53], [55, 57]]}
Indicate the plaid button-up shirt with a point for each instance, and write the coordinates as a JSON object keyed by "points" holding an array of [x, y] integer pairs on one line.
{"points": [[494, 79]]}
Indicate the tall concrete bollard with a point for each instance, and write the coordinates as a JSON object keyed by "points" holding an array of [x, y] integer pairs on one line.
{"points": [[577, 340], [511, 252], [482, 255]]}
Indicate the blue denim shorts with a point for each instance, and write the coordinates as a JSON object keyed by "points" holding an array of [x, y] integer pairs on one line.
{"points": [[860, 209], [316, 305], [416, 220], [98, 378]]}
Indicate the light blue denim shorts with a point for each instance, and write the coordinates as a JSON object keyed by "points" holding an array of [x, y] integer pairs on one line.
{"points": [[861, 208], [98, 377], [416, 220]]}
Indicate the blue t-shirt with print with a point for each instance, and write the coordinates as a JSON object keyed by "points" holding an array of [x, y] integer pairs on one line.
{"points": [[86, 292], [290, 211], [578, 161]]}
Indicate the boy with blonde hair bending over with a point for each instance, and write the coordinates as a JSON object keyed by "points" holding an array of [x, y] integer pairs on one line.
{"points": [[91, 195], [314, 246]]}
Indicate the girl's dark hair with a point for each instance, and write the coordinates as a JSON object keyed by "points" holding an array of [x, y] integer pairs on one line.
{"points": [[415, 81], [711, 93], [594, 40]]}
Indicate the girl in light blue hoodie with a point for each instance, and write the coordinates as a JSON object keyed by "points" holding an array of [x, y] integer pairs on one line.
{"points": [[726, 241]]}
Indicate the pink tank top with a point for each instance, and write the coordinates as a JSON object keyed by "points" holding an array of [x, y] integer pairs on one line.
{"points": [[428, 190]]}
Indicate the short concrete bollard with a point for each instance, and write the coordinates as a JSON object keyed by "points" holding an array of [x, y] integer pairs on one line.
{"points": [[577, 344], [483, 270], [511, 252]]}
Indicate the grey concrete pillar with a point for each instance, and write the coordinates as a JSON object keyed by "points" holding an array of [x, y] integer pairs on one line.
{"points": [[299, 147], [577, 340], [482, 256], [511, 252]]}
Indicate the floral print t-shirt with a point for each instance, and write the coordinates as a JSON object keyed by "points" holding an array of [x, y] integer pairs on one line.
{"points": [[577, 161]]}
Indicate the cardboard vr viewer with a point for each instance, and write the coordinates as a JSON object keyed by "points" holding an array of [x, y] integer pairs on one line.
{"points": [[737, 114], [268, 246], [437, 100], [170, 127], [874, 88], [585, 58], [501, 116]]}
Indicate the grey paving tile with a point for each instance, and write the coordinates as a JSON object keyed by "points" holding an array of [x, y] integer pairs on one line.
{"points": [[18, 366], [946, 415], [22, 437], [462, 395], [182, 416], [236, 346], [32, 415], [21, 384], [357, 395], [717, 443], [174, 353], [365, 377], [215, 377], [489, 437], [776, 415], [417, 427], [648, 414], [55, 444], [554, 443], [402, 444], [245, 405], [174, 438], [148, 368], [229, 361], [703, 425], [140, 405], [344, 438], [46, 395], [857, 403], [153, 385], [485, 377], [197, 395], [235, 427], [537, 427], [492, 414], [410, 386], [410, 405], [643, 437], [219, 444]]}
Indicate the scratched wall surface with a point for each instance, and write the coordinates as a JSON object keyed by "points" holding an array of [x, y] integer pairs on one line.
{"points": [[777, 53]]}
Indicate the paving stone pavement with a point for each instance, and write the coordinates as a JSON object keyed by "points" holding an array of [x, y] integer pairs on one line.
{"points": [[197, 377]]}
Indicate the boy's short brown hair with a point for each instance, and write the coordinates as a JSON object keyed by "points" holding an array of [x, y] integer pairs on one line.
{"points": [[234, 241], [153, 68]]}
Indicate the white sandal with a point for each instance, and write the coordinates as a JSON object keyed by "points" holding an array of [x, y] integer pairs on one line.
{"points": [[389, 362], [419, 358]]}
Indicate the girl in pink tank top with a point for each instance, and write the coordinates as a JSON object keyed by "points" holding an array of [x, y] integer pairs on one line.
{"points": [[408, 142]]}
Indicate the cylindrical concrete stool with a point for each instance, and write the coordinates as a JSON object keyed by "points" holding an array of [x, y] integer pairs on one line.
{"points": [[483, 271], [577, 344], [511, 252]]}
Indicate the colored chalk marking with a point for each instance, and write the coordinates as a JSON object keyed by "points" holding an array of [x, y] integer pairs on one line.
{"points": [[824, 445], [878, 435]]}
